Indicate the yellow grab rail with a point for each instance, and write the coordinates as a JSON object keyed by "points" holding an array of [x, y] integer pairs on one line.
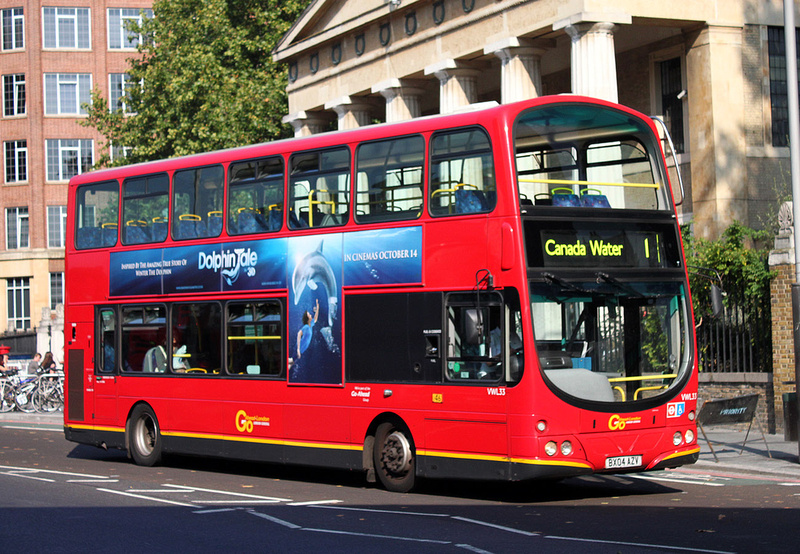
{"points": [[590, 183]]}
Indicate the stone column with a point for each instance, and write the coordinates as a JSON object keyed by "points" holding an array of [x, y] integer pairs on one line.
{"points": [[402, 98], [593, 61], [351, 113], [520, 69], [307, 123], [458, 84]]}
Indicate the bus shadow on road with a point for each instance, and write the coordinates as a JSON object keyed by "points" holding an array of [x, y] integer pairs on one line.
{"points": [[575, 488]]}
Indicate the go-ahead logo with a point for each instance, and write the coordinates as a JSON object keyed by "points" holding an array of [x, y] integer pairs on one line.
{"points": [[246, 423], [618, 423], [229, 263]]}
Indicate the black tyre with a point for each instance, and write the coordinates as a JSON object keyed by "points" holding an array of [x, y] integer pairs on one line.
{"points": [[394, 458], [144, 438]]}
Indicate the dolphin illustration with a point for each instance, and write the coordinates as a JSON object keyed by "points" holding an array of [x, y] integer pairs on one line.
{"points": [[314, 269]]}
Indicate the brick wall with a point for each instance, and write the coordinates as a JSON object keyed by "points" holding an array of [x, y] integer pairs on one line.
{"points": [[783, 372]]}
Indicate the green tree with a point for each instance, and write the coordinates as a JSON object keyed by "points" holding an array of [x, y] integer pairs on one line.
{"points": [[207, 80], [740, 257]]}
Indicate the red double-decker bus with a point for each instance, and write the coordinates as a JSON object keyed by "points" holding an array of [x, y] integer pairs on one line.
{"points": [[494, 294]]}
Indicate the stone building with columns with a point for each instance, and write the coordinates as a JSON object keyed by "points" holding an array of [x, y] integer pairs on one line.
{"points": [[714, 69]]}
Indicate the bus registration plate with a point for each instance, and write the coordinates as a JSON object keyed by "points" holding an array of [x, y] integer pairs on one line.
{"points": [[623, 461]]}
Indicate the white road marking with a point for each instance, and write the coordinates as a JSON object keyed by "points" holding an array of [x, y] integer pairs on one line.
{"points": [[229, 493], [141, 497], [638, 544], [314, 503], [495, 526], [53, 471]]}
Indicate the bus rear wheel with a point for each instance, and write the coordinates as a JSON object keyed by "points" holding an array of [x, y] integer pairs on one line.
{"points": [[394, 459], [145, 436]]}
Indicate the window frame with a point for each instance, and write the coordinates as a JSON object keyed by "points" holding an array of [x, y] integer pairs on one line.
{"points": [[58, 99], [56, 289], [16, 27], [106, 231], [473, 204], [388, 191], [158, 327], [16, 161], [119, 34], [18, 297], [55, 15], [100, 342], [280, 340], [60, 147], [133, 203], [495, 307], [59, 219], [14, 95], [298, 173], [174, 356], [262, 197], [20, 230], [190, 225], [118, 85]]}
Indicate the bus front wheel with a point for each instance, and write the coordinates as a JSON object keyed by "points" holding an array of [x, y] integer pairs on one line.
{"points": [[394, 458], [145, 437]]}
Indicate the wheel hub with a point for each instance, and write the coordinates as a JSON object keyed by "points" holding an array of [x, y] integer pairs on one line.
{"points": [[396, 455]]}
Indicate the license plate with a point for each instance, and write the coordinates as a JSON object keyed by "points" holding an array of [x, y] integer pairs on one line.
{"points": [[618, 462]]}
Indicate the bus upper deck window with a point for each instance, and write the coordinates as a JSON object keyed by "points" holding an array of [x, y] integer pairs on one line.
{"points": [[319, 188], [580, 156], [255, 196], [462, 173], [145, 206], [389, 179], [97, 215], [197, 203]]}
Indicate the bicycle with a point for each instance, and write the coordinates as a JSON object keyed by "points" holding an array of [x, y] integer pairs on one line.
{"points": [[17, 392], [6, 395], [49, 393]]}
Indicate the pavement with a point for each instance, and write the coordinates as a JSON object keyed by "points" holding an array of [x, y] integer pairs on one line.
{"points": [[763, 455]]}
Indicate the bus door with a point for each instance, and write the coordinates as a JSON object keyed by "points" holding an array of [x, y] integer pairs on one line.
{"points": [[481, 354], [104, 410]]}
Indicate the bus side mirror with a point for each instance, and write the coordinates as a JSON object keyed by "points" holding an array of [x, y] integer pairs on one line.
{"points": [[473, 326], [716, 301]]}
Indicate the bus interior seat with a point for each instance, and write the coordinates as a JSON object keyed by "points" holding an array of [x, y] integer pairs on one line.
{"points": [[251, 222], [155, 360], [159, 228], [136, 234], [88, 237], [563, 198], [295, 222], [214, 224], [275, 219], [330, 220], [594, 201], [109, 234], [470, 201], [543, 199], [189, 229], [582, 383]]}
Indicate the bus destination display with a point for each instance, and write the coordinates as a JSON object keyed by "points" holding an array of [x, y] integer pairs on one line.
{"points": [[624, 248]]}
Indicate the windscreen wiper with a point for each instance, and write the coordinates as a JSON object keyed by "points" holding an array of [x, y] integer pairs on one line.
{"points": [[621, 286], [555, 280]]}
